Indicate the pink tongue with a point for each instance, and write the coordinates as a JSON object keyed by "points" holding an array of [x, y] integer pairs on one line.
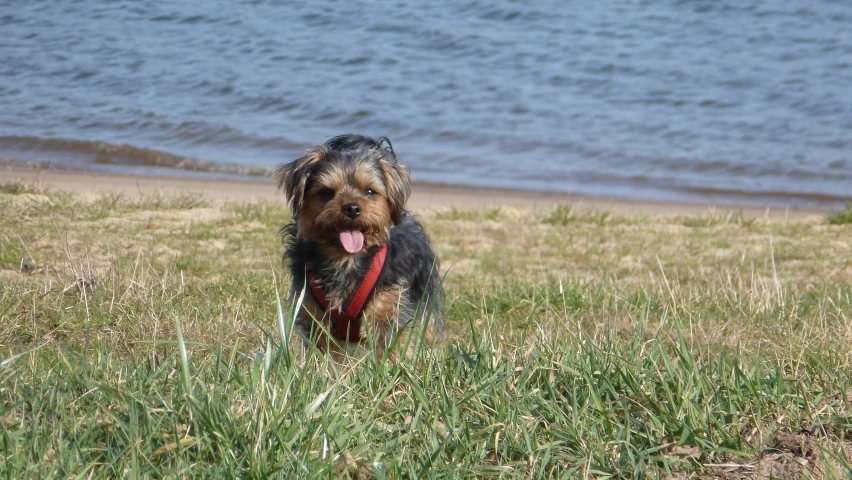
{"points": [[352, 241]]}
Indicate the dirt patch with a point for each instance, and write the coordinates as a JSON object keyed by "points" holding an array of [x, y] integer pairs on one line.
{"points": [[246, 227], [12, 275], [198, 215], [216, 245], [792, 456], [162, 250], [30, 197]]}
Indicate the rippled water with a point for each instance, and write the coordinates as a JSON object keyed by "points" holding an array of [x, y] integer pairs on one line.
{"points": [[721, 100]]}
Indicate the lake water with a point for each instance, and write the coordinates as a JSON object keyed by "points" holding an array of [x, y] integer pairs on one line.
{"points": [[719, 100]]}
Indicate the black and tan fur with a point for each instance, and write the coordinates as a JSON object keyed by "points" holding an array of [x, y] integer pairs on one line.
{"points": [[357, 170]]}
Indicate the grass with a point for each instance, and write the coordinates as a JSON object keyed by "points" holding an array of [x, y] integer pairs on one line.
{"points": [[21, 188], [146, 337], [713, 219], [565, 214], [841, 217], [492, 214]]}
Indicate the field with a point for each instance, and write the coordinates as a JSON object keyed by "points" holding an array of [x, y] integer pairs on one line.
{"points": [[148, 336]]}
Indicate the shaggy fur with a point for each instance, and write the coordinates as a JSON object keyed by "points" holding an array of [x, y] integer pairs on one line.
{"points": [[353, 183]]}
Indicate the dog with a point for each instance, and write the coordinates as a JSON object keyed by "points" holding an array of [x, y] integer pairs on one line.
{"points": [[365, 263]]}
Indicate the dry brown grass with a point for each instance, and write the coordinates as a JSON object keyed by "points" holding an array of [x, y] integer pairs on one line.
{"points": [[722, 270]]}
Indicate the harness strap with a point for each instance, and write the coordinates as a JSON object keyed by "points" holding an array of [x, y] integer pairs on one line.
{"points": [[349, 321]]}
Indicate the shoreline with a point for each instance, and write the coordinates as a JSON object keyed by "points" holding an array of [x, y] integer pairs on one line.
{"points": [[424, 196]]}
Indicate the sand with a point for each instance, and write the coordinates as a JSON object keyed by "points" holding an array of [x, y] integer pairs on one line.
{"points": [[423, 197]]}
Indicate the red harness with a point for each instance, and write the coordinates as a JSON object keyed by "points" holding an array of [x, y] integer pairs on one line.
{"points": [[349, 321]]}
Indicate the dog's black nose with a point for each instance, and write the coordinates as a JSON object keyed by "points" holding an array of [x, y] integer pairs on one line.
{"points": [[351, 210]]}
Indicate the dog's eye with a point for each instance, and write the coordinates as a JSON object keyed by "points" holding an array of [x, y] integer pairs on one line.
{"points": [[327, 194], [370, 192]]}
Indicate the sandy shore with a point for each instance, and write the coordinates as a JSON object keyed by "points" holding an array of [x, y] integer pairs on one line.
{"points": [[424, 196]]}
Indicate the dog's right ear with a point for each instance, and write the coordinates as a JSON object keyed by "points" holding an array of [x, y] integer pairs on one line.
{"points": [[292, 177]]}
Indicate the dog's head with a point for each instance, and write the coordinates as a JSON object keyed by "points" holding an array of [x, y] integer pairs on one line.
{"points": [[347, 194]]}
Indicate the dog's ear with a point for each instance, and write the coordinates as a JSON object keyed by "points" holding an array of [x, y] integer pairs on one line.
{"points": [[292, 177], [397, 185]]}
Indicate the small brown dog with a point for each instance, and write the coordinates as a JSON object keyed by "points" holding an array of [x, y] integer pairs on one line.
{"points": [[366, 262]]}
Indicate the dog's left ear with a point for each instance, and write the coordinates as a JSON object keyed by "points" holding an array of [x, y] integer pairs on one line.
{"points": [[397, 185], [292, 178]]}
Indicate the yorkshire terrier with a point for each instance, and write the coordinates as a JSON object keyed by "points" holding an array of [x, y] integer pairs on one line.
{"points": [[366, 264]]}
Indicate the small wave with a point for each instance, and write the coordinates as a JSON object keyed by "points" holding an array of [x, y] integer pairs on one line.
{"points": [[81, 153], [521, 16], [774, 196]]}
